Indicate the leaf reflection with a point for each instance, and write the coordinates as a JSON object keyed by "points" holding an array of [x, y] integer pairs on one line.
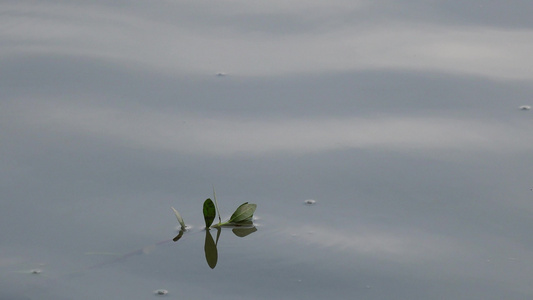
{"points": [[180, 234], [210, 246], [243, 231]]}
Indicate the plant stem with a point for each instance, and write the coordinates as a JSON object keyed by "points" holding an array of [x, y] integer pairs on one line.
{"points": [[220, 224], [216, 205]]}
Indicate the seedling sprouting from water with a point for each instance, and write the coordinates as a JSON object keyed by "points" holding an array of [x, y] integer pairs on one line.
{"points": [[242, 216], [241, 219]]}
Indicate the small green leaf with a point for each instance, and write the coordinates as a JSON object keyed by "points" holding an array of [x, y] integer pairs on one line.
{"points": [[180, 219], [245, 212], [209, 212]]}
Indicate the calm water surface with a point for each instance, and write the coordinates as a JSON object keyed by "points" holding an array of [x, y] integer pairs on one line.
{"points": [[419, 160]]}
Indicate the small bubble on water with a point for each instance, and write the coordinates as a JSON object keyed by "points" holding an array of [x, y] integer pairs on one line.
{"points": [[310, 202], [161, 292], [36, 271], [187, 227], [525, 107]]}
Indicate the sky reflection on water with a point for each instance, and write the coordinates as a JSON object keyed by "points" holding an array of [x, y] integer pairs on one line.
{"points": [[402, 121]]}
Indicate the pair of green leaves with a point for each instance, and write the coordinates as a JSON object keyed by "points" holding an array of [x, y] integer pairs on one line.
{"points": [[242, 216]]}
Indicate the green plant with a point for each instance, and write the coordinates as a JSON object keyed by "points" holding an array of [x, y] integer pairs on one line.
{"points": [[242, 216], [209, 212]]}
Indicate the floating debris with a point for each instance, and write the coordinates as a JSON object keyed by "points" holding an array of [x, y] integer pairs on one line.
{"points": [[525, 107], [36, 271], [310, 202], [221, 74], [161, 292]]}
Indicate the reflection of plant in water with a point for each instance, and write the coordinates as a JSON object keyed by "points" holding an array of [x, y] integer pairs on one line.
{"points": [[210, 246], [241, 220]]}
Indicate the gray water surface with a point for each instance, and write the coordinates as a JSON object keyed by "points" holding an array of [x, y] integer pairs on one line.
{"points": [[401, 122]]}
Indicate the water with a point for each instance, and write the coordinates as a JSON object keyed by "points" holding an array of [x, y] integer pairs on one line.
{"points": [[377, 177]]}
